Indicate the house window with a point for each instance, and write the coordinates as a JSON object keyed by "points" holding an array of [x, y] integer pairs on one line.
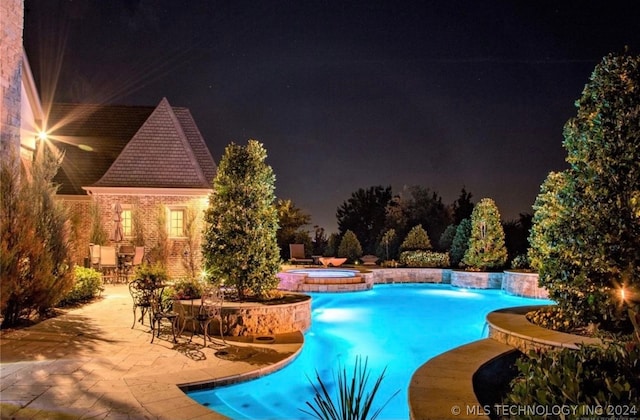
{"points": [[176, 222], [126, 223]]}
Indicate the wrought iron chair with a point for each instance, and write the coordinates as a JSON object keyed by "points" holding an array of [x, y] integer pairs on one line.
{"points": [[158, 313], [142, 296], [184, 317], [210, 309]]}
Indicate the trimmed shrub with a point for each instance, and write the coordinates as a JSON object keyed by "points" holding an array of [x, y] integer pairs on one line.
{"points": [[87, 285], [151, 274], [420, 258], [350, 247], [590, 376], [521, 262], [185, 288], [416, 239]]}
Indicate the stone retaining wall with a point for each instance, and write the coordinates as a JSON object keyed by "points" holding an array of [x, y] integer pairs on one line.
{"points": [[411, 275], [255, 319], [524, 284], [476, 279], [511, 327]]}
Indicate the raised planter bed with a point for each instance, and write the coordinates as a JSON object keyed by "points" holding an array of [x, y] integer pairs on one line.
{"points": [[261, 319]]}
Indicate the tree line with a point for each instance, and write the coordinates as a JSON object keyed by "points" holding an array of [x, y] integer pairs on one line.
{"points": [[382, 220]]}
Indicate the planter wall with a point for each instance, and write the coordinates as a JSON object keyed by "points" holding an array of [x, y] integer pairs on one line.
{"points": [[523, 284], [476, 279], [254, 319]]}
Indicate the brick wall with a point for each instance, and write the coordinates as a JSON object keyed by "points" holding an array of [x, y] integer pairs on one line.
{"points": [[11, 26], [149, 206]]}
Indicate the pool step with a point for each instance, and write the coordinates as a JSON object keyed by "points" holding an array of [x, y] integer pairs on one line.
{"points": [[334, 280]]}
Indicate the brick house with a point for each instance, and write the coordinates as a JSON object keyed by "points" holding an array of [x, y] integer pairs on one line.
{"points": [[152, 161]]}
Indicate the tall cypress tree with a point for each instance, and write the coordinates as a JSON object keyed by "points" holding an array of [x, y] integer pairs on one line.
{"points": [[240, 245], [486, 244]]}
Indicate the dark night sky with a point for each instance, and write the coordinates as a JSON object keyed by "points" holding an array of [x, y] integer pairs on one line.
{"points": [[347, 95]]}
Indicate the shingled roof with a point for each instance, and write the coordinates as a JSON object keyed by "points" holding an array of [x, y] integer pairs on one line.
{"points": [[129, 146]]}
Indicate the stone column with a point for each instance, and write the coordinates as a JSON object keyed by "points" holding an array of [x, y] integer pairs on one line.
{"points": [[11, 27]]}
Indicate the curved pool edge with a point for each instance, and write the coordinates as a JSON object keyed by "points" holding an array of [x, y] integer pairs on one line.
{"points": [[445, 383], [163, 395], [235, 378]]}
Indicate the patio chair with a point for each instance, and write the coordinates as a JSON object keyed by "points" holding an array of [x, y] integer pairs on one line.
{"points": [[125, 262], [108, 264], [94, 256], [138, 256], [184, 317], [297, 255], [158, 313], [142, 297], [210, 309]]}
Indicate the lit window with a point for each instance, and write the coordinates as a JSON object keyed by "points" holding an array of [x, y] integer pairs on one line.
{"points": [[126, 223], [176, 223]]}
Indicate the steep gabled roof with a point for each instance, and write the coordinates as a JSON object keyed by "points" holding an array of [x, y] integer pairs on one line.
{"points": [[159, 156], [91, 137], [129, 146]]}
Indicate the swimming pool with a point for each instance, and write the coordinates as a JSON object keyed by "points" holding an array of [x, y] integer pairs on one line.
{"points": [[395, 326]]}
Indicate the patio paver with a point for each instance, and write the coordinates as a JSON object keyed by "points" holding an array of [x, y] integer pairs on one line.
{"points": [[89, 363]]}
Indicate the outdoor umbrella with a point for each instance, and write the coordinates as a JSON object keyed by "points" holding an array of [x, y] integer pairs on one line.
{"points": [[118, 234]]}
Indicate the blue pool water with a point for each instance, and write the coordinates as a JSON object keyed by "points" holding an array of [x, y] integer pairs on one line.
{"points": [[399, 327]]}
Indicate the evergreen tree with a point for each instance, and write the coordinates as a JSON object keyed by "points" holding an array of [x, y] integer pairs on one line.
{"points": [[486, 244], [417, 239], [319, 240], [291, 219], [364, 214], [462, 207], [586, 235], [389, 246], [35, 249], [331, 250], [460, 242], [446, 239], [350, 247], [240, 246]]}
